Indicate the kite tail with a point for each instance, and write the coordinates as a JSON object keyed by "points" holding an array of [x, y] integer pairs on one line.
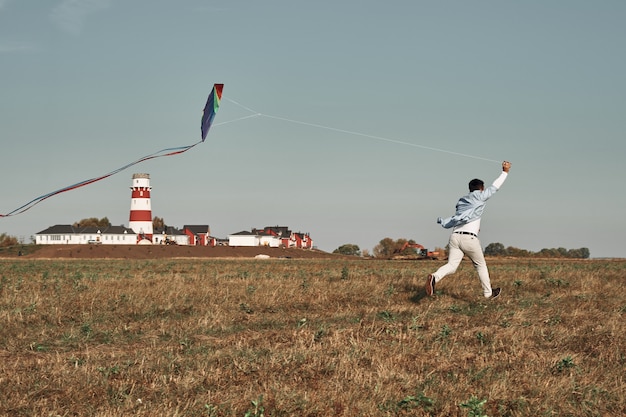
{"points": [[159, 154], [211, 107]]}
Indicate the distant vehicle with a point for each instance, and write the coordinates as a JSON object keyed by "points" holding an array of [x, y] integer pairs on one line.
{"points": [[94, 242], [422, 252]]}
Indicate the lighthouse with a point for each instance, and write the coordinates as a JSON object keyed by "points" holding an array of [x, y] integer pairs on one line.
{"points": [[141, 209]]}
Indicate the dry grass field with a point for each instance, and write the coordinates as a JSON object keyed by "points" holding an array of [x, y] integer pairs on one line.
{"points": [[309, 337]]}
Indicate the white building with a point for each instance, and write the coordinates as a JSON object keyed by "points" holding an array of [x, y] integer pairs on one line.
{"points": [[66, 234], [244, 238]]}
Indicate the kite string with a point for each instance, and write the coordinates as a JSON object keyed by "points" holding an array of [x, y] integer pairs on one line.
{"points": [[238, 119], [319, 126], [181, 149]]}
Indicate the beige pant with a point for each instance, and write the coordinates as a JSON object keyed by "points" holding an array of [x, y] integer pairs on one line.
{"points": [[460, 245]]}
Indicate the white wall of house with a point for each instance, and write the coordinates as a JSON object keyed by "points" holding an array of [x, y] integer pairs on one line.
{"points": [[83, 239], [158, 239], [243, 240], [118, 239], [271, 241], [58, 239], [182, 239]]}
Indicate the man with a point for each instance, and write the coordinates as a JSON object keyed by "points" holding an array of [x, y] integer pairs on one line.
{"points": [[465, 226]]}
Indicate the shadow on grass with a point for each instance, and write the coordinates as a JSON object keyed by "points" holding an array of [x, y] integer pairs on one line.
{"points": [[419, 294]]}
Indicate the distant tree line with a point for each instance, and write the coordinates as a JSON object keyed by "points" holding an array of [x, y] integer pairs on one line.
{"points": [[385, 249], [92, 222], [388, 247], [498, 249]]}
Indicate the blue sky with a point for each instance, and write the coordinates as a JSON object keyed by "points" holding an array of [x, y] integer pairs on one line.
{"points": [[369, 118]]}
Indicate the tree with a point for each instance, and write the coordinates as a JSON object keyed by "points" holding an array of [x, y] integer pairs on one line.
{"points": [[6, 240], [582, 253], [388, 247], [548, 253], [93, 222], [402, 248], [517, 252], [158, 223], [385, 248], [495, 249], [348, 249]]}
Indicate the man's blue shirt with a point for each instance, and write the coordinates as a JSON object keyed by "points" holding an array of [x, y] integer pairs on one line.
{"points": [[471, 206]]}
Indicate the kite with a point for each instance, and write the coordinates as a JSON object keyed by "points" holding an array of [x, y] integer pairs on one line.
{"points": [[212, 104], [211, 107]]}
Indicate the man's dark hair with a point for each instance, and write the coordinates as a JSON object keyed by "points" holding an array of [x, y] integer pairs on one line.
{"points": [[476, 184]]}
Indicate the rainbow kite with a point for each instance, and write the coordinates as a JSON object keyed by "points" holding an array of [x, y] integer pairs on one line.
{"points": [[211, 107], [212, 104]]}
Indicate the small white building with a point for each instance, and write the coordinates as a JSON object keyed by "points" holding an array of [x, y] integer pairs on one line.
{"points": [[273, 237], [244, 238], [66, 234]]}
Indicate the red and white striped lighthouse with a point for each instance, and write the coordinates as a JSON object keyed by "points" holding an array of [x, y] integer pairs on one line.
{"points": [[140, 208]]}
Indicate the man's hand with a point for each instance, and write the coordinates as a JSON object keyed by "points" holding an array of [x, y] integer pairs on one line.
{"points": [[506, 166]]}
